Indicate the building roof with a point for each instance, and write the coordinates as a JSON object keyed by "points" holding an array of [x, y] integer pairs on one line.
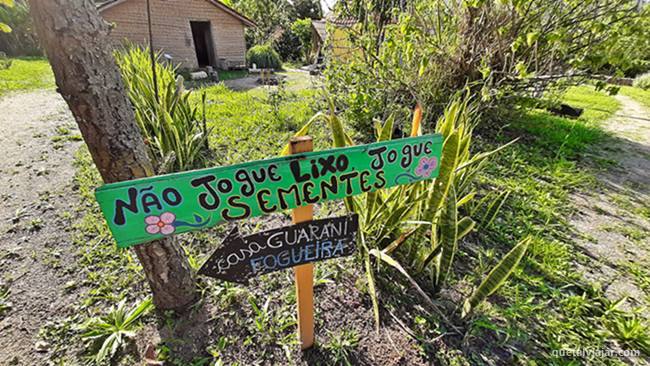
{"points": [[107, 4], [341, 21], [320, 28]]}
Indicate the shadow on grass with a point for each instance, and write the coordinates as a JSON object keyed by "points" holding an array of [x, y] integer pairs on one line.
{"points": [[560, 137]]}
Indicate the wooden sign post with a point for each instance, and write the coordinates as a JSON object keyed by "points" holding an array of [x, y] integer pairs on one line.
{"points": [[143, 210], [304, 274], [240, 258], [147, 209]]}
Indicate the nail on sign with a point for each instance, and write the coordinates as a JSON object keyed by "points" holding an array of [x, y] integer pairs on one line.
{"points": [[143, 210], [240, 258]]}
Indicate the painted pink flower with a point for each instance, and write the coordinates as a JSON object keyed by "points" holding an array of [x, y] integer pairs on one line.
{"points": [[426, 166], [163, 224]]}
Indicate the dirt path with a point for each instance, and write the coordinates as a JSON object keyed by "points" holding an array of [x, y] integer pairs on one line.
{"points": [[295, 80], [614, 221], [37, 203]]}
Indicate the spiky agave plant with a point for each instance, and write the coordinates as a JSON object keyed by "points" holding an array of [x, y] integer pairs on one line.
{"points": [[175, 133], [389, 217]]}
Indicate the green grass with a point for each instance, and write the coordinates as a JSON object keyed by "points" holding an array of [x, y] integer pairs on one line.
{"points": [[26, 74], [548, 306], [563, 137], [598, 105], [638, 94], [545, 307], [232, 74], [256, 124]]}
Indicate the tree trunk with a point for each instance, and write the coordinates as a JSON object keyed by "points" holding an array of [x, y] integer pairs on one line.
{"points": [[76, 41]]}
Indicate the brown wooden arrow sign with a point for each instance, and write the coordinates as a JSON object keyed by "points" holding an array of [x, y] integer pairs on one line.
{"points": [[242, 257]]}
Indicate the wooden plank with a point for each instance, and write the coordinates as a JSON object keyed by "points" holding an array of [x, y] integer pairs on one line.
{"points": [[304, 274], [240, 258], [143, 210]]}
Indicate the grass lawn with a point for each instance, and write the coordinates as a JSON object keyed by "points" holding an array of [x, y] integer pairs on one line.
{"points": [[256, 124], [548, 306], [232, 74], [568, 137], [638, 94], [545, 307], [26, 74]]}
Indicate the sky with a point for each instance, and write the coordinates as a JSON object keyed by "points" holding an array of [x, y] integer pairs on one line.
{"points": [[326, 5]]}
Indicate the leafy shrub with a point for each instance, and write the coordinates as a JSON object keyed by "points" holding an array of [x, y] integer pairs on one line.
{"points": [[505, 51], [5, 62], [302, 29], [269, 16], [308, 9], [626, 47], [264, 56], [288, 46], [175, 134], [643, 81], [17, 34]]}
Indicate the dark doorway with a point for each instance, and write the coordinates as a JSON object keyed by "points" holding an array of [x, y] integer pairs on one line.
{"points": [[203, 43]]}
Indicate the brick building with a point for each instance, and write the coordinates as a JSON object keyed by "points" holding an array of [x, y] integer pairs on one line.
{"points": [[195, 33]]}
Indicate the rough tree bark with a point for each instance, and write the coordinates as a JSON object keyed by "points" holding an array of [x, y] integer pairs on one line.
{"points": [[76, 41]]}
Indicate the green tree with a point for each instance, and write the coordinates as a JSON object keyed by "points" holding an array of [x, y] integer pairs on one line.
{"points": [[270, 16], [626, 49], [4, 28], [22, 40], [504, 50], [308, 9], [301, 28]]}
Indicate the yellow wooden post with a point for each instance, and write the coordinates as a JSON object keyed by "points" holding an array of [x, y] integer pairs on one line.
{"points": [[417, 119], [304, 274]]}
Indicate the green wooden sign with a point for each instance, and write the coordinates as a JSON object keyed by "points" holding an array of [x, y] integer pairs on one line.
{"points": [[143, 210]]}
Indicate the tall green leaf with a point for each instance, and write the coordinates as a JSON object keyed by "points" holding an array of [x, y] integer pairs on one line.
{"points": [[395, 264], [372, 289], [478, 158], [465, 226], [445, 176], [497, 276], [385, 133], [494, 208], [338, 132], [304, 130], [448, 237]]}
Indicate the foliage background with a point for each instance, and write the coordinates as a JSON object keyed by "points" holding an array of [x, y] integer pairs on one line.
{"points": [[507, 52], [283, 24], [21, 41]]}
